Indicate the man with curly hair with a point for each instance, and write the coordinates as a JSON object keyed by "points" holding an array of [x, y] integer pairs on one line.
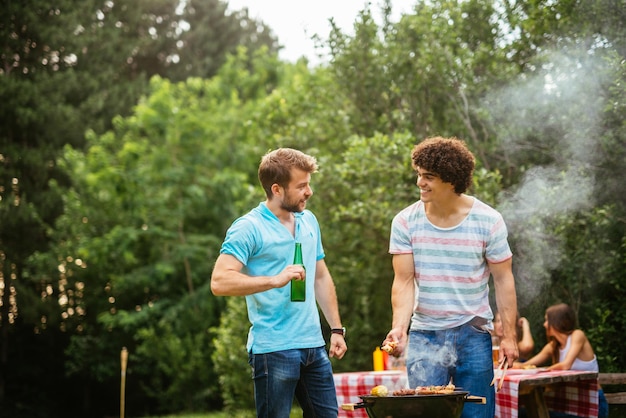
{"points": [[445, 248]]}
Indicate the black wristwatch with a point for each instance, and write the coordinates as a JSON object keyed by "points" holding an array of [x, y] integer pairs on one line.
{"points": [[341, 331]]}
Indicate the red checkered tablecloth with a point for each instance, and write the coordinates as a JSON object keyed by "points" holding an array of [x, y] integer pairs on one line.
{"points": [[350, 385], [579, 398]]}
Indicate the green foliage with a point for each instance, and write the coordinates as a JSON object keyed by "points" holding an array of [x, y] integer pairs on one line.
{"points": [[230, 357], [177, 364], [67, 68], [213, 34], [142, 272], [357, 193], [423, 74], [486, 185], [133, 240], [175, 175]]}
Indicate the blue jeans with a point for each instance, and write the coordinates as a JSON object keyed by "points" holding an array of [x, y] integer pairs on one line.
{"points": [[305, 373], [462, 354]]}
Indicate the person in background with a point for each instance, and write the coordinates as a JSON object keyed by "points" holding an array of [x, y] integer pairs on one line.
{"points": [[286, 348], [525, 341], [567, 349], [445, 247]]}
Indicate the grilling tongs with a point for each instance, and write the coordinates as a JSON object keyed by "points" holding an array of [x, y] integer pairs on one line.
{"points": [[500, 373]]}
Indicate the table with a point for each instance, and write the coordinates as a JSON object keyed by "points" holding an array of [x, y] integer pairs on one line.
{"points": [[352, 384], [569, 391]]}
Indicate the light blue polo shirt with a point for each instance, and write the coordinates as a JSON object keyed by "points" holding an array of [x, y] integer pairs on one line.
{"points": [[265, 247]]}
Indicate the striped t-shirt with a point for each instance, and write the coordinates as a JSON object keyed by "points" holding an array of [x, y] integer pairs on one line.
{"points": [[451, 270]]}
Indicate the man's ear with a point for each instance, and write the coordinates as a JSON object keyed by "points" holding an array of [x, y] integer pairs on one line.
{"points": [[277, 190]]}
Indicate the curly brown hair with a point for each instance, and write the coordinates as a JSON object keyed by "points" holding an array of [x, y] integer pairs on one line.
{"points": [[449, 158]]}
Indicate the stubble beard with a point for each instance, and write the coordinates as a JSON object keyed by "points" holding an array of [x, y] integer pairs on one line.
{"points": [[293, 207]]}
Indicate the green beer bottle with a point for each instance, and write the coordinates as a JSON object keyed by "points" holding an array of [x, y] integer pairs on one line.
{"points": [[298, 287]]}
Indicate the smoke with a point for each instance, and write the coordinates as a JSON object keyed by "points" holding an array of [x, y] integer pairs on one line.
{"points": [[552, 119], [430, 354], [544, 195]]}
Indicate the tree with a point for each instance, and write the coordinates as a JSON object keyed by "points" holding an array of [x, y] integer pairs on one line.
{"points": [[424, 74], [174, 174], [150, 201], [68, 68], [214, 33], [563, 143]]}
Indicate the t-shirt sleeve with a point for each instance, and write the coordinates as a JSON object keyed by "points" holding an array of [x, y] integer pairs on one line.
{"points": [[400, 239], [498, 249], [240, 240]]}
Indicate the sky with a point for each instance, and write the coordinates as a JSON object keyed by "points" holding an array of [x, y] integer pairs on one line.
{"points": [[294, 22]]}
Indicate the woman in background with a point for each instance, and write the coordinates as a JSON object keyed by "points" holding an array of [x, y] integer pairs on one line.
{"points": [[525, 342], [568, 348]]}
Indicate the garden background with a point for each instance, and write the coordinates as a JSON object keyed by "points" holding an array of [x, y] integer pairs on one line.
{"points": [[131, 131]]}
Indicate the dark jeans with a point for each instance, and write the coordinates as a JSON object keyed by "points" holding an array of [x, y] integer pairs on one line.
{"points": [[305, 373]]}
